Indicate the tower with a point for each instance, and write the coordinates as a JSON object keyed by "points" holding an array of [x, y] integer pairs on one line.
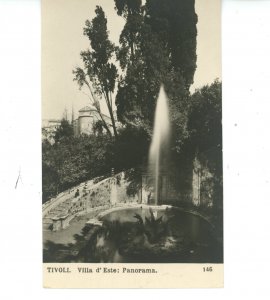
{"points": [[85, 120]]}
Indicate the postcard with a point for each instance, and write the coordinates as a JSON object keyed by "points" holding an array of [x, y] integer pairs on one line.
{"points": [[132, 174]]}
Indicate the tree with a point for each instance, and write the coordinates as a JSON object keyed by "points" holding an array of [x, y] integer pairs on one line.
{"points": [[98, 127], [74, 160], [204, 120], [132, 12], [144, 70], [99, 74], [205, 132], [131, 148], [158, 45], [175, 23], [65, 130]]}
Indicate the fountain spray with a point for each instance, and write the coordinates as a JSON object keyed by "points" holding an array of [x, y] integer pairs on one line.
{"points": [[158, 154]]}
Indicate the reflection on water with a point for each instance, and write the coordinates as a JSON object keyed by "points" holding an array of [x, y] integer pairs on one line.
{"points": [[136, 235]]}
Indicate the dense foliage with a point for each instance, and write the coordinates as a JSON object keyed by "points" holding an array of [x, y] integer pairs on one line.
{"points": [[205, 130], [65, 130], [157, 45], [73, 160]]}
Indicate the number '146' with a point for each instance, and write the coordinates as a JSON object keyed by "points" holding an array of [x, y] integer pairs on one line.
{"points": [[207, 269]]}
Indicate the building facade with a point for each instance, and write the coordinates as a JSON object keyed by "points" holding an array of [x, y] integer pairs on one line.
{"points": [[86, 120], [49, 127], [84, 124]]}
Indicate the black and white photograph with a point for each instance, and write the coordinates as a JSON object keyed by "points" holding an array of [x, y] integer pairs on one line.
{"points": [[134, 156], [132, 132]]}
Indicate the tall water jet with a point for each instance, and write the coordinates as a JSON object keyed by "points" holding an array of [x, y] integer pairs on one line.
{"points": [[159, 149]]}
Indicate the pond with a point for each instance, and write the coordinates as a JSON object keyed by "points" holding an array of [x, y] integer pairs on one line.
{"points": [[146, 235]]}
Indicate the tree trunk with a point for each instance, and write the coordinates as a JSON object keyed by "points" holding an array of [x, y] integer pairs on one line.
{"points": [[111, 115], [105, 124]]}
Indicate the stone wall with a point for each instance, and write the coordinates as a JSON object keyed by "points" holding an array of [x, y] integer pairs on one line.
{"points": [[202, 184], [190, 184], [89, 196]]}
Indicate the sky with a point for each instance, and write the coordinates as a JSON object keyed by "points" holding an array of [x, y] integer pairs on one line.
{"points": [[63, 40]]}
